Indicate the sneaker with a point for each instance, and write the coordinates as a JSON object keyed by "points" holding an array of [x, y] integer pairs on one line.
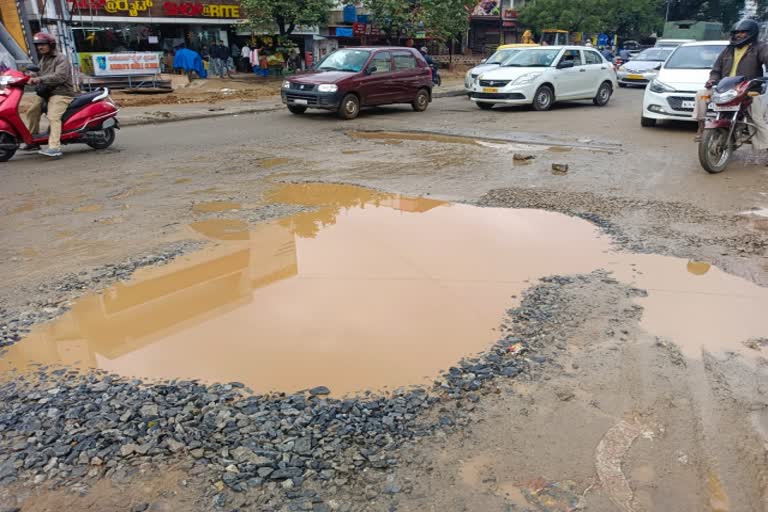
{"points": [[52, 153], [30, 147]]}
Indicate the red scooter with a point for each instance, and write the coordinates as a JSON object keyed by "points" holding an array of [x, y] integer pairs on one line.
{"points": [[90, 119]]}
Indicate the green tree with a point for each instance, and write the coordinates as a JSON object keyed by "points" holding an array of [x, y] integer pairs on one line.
{"points": [[286, 15], [727, 12], [445, 20], [397, 18], [626, 18]]}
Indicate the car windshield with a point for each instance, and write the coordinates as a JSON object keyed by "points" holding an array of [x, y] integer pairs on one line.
{"points": [[501, 56], [537, 58], [654, 54], [694, 57], [345, 60]]}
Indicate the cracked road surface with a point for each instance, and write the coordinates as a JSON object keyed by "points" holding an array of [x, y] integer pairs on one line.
{"points": [[647, 387]]}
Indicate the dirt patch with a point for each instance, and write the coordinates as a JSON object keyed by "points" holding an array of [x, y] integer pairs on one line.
{"points": [[210, 91]]}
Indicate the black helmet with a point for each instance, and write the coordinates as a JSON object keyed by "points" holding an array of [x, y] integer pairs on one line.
{"points": [[751, 27]]}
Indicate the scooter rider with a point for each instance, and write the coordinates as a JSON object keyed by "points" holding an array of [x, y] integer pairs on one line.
{"points": [[54, 83], [745, 56]]}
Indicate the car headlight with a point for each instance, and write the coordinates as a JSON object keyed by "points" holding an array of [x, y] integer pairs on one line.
{"points": [[658, 87], [526, 79], [328, 88], [286, 84], [725, 97]]}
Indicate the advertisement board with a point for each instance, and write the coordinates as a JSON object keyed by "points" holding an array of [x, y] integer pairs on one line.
{"points": [[121, 64]]}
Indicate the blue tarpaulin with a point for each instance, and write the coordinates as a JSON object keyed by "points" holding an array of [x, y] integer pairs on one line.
{"points": [[189, 60]]}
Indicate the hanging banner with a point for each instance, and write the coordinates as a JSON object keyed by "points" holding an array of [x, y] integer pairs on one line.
{"points": [[121, 64]]}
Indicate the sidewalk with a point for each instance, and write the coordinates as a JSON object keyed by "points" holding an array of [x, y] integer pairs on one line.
{"points": [[168, 113]]}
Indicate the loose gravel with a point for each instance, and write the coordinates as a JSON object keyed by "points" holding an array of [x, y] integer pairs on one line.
{"points": [[60, 428]]}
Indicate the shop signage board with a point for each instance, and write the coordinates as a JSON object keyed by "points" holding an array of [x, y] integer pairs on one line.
{"points": [[121, 64], [223, 9]]}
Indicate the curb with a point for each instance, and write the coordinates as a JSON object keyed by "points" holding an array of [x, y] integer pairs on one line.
{"points": [[207, 115], [193, 117], [448, 94]]}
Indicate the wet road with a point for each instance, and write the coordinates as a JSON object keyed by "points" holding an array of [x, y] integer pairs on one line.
{"points": [[215, 180]]}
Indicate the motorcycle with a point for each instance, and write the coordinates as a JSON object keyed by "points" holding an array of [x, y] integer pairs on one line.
{"points": [[732, 125], [436, 79], [90, 119]]}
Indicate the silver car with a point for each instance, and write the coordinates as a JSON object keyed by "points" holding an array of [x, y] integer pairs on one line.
{"points": [[492, 62], [644, 67]]}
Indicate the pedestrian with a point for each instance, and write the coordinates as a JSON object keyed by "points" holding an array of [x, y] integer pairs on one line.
{"points": [[54, 85], [234, 52], [607, 53], [219, 55], [624, 54], [245, 58]]}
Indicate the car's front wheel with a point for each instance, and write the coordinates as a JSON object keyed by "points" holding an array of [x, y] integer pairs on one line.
{"points": [[421, 101], [350, 107], [603, 95], [296, 109], [485, 106], [544, 98]]}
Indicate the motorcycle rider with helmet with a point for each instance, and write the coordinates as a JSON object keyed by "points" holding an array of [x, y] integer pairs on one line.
{"points": [[54, 84], [744, 56]]}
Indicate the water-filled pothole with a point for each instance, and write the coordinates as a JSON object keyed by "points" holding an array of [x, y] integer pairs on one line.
{"points": [[369, 290]]}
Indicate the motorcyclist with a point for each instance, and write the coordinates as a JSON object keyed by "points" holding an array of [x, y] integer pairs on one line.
{"points": [[54, 83], [432, 64], [744, 56]]}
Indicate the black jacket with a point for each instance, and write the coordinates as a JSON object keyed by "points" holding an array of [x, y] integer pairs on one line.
{"points": [[750, 65]]}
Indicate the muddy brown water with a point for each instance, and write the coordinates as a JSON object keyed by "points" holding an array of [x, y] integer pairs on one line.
{"points": [[368, 291]]}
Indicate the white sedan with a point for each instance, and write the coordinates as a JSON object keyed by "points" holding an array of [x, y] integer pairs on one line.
{"points": [[542, 76]]}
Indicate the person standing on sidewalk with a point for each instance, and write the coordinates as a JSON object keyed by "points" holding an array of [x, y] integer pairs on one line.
{"points": [[54, 84], [219, 55]]}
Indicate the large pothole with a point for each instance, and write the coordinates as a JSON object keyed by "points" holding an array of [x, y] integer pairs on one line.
{"points": [[367, 291]]}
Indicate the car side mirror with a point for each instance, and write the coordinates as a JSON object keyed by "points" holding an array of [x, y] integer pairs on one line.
{"points": [[483, 61], [371, 70], [565, 64]]}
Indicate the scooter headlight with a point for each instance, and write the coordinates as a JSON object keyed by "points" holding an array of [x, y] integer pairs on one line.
{"points": [[725, 97]]}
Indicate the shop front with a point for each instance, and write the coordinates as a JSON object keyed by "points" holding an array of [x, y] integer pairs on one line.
{"points": [[115, 26], [492, 23]]}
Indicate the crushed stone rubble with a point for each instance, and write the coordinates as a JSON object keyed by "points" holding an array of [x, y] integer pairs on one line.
{"points": [[62, 428]]}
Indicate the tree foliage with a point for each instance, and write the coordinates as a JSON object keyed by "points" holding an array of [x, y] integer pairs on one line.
{"points": [[286, 15], [727, 12], [445, 20], [628, 17]]}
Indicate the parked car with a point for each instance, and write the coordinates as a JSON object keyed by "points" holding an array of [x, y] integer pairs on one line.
{"points": [[352, 78], [543, 75], [501, 54], [644, 67], [672, 94]]}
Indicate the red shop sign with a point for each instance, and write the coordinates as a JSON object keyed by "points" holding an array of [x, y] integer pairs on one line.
{"points": [[183, 9]]}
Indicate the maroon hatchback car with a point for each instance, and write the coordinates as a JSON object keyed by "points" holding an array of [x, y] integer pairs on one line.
{"points": [[351, 78]]}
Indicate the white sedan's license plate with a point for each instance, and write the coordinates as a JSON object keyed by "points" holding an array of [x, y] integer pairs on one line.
{"points": [[300, 102], [689, 104], [727, 108]]}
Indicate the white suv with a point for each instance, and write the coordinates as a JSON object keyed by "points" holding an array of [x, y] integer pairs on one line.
{"points": [[672, 94], [541, 76]]}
